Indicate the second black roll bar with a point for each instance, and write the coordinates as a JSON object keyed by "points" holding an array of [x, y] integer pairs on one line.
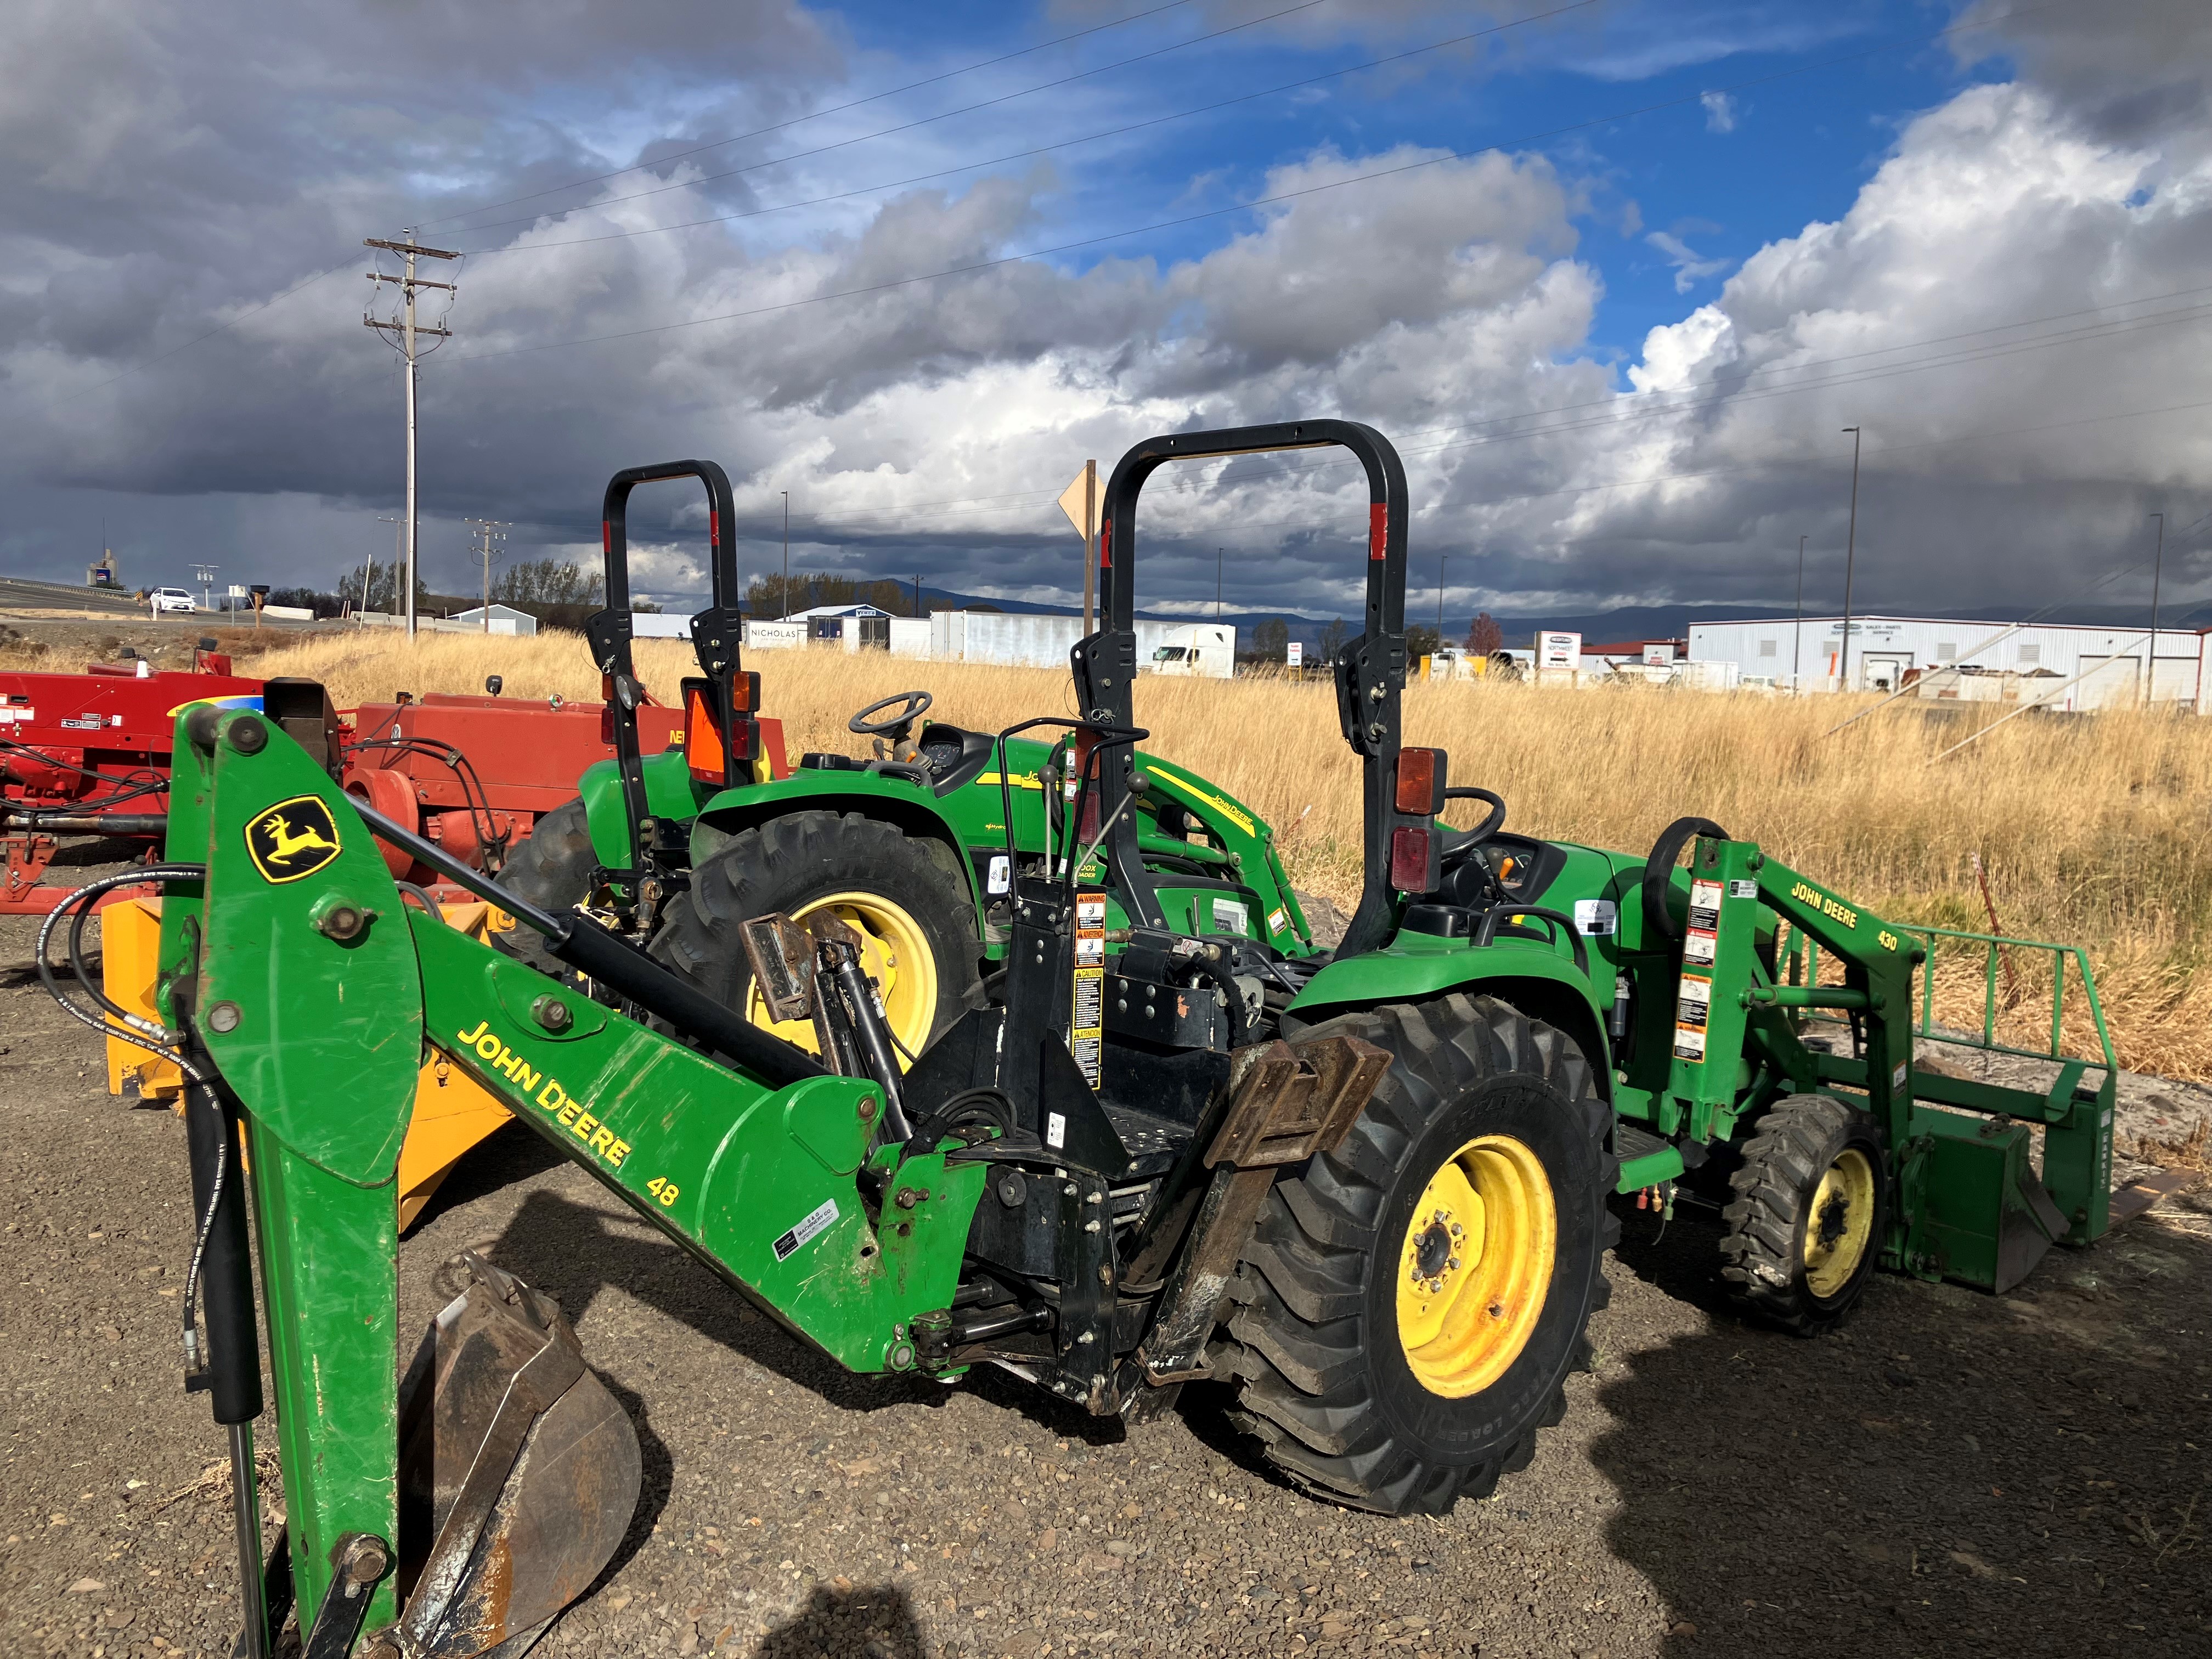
{"points": [[1369, 670]]}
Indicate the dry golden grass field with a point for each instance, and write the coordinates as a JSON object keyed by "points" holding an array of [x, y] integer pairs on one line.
{"points": [[2091, 828]]}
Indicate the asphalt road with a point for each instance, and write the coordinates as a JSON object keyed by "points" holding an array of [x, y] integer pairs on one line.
{"points": [[1953, 1474]]}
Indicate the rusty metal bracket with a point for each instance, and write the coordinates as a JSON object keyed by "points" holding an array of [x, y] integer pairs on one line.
{"points": [[780, 952], [1287, 1102]]}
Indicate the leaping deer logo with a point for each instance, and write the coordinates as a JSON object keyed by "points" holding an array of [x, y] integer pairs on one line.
{"points": [[289, 843], [292, 839]]}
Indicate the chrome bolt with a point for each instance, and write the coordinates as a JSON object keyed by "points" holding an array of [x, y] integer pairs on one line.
{"points": [[1452, 1266], [1436, 1285]]}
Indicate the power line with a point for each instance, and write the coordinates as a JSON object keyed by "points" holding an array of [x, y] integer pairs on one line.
{"points": [[1185, 485], [1976, 23], [819, 525], [816, 115], [996, 161], [978, 266], [927, 120]]}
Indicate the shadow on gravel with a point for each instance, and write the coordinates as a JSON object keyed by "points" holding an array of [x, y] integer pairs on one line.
{"points": [[870, 1622], [574, 1251], [1950, 1472]]}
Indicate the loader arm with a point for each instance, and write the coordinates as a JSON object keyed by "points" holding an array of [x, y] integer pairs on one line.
{"points": [[1973, 1206], [318, 995]]}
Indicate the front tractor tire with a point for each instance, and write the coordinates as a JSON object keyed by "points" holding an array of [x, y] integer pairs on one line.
{"points": [[1812, 1202], [1412, 1302], [906, 896]]}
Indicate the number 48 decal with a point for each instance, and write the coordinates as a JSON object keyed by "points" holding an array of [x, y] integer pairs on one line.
{"points": [[662, 1188]]}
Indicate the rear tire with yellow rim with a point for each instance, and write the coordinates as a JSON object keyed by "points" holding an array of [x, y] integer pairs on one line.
{"points": [[1811, 1207], [1411, 1303], [904, 895]]}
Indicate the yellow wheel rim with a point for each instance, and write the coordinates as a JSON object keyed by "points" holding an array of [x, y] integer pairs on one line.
{"points": [[1841, 1224], [1475, 1266], [894, 953]]}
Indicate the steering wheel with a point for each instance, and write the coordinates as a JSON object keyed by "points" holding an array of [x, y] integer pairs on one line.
{"points": [[1458, 841], [911, 706]]}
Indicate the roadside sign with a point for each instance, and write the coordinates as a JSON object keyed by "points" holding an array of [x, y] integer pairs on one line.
{"points": [[1555, 650], [1296, 656]]}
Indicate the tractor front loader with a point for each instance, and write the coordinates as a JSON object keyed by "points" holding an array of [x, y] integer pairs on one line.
{"points": [[1367, 1195]]}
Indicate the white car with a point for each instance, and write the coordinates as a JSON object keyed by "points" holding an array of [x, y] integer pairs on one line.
{"points": [[165, 600]]}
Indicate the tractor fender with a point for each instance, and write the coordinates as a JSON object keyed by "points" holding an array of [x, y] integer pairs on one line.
{"points": [[911, 811], [1536, 984], [668, 795]]}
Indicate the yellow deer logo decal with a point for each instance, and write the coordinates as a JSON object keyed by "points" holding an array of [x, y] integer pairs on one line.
{"points": [[290, 842], [293, 839]]}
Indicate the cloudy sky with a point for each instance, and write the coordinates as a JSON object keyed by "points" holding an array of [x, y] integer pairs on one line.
{"points": [[1614, 274]]}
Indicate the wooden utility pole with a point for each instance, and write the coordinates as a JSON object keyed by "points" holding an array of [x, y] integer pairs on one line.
{"points": [[487, 531], [406, 332]]}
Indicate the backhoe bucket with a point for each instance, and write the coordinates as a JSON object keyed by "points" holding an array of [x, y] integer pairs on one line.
{"points": [[519, 1472]]}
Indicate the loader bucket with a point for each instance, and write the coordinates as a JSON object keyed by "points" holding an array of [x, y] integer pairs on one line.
{"points": [[519, 1472]]}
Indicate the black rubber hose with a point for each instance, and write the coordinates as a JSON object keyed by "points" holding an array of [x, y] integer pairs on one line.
{"points": [[598, 954], [233, 1358], [1240, 1018], [1659, 922]]}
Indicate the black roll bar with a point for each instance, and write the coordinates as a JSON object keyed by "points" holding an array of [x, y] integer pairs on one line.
{"points": [[1369, 670], [715, 633]]}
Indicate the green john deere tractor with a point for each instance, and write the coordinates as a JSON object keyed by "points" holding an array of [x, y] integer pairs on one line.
{"points": [[908, 848], [1367, 1194]]}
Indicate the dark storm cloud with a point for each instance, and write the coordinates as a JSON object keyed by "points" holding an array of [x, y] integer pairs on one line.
{"points": [[175, 172]]}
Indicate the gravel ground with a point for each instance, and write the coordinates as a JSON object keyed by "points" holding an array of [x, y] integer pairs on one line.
{"points": [[1954, 1474]]}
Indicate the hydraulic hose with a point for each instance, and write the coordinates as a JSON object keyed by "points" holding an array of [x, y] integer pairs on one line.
{"points": [[590, 949], [1659, 921]]}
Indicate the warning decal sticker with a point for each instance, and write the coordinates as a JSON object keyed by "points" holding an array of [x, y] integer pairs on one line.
{"points": [[1698, 944], [1705, 904], [1087, 1026]]}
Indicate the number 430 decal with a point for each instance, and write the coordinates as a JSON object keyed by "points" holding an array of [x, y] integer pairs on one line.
{"points": [[662, 1188]]}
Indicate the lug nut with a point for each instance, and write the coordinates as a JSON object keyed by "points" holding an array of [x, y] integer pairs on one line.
{"points": [[1452, 1266]]}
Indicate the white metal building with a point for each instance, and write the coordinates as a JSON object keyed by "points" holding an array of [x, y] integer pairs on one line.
{"points": [[2109, 667], [1043, 642], [505, 619]]}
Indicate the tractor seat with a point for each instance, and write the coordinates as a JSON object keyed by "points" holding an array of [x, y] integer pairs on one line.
{"points": [[955, 756]]}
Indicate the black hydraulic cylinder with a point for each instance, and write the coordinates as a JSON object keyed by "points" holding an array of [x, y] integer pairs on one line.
{"points": [[592, 950], [868, 1027], [232, 1358]]}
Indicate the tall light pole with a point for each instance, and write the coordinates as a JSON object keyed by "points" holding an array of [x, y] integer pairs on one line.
{"points": [[1797, 643], [1851, 555], [787, 556], [2157, 564], [1217, 584]]}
